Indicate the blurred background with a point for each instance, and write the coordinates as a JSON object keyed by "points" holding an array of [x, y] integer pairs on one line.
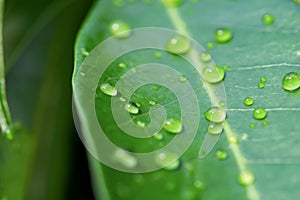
{"points": [[46, 160]]}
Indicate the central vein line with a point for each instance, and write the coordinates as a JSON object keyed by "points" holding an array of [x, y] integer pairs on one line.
{"points": [[180, 25]]}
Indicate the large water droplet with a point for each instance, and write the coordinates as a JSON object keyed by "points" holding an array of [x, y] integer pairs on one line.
{"points": [[221, 155], [215, 128], [268, 19], [223, 35], [259, 113], [120, 29], [248, 101], [108, 89], [291, 81], [173, 3], [178, 44], [215, 114], [213, 74], [246, 178], [168, 160], [131, 108], [173, 125]]}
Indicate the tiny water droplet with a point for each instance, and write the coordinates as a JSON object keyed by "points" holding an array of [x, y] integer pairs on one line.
{"points": [[215, 128], [265, 123], [248, 101], [152, 103], [259, 113], [178, 44], [158, 136], [155, 87], [141, 124], [122, 99], [84, 52], [168, 160], [215, 114], [210, 45], [173, 3], [205, 57], [138, 105], [131, 108], [261, 85], [157, 54], [108, 89], [223, 35], [199, 185], [252, 126], [221, 155], [263, 79], [182, 78], [291, 81], [233, 140], [125, 158], [246, 178], [268, 19], [122, 65], [172, 125], [225, 67], [213, 74], [120, 29]]}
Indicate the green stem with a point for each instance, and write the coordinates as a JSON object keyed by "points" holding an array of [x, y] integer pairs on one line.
{"points": [[5, 119]]}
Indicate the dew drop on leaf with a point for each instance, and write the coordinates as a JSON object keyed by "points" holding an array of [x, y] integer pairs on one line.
{"points": [[213, 74], [223, 35], [268, 19], [248, 101], [158, 136], [178, 44], [246, 178], [215, 114], [233, 140], [215, 128], [122, 65], [182, 79], [291, 81], [221, 155], [131, 108], [173, 125], [261, 85], [259, 113], [205, 57], [120, 29], [108, 89]]}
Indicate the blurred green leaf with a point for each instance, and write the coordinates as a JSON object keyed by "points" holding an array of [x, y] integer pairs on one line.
{"points": [[256, 50]]}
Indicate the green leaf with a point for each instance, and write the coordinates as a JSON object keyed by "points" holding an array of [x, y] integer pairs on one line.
{"points": [[268, 151]]}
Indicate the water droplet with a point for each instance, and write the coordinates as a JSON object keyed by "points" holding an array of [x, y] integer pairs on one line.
{"points": [[155, 87], [291, 81], [120, 29], [122, 99], [213, 74], [173, 3], [138, 105], [210, 45], [158, 136], [261, 85], [141, 124], [268, 19], [152, 103], [168, 160], [178, 44], [108, 89], [225, 67], [265, 123], [173, 125], [248, 101], [221, 155], [125, 158], [182, 79], [157, 54], [122, 65], [233, 140], [199, 185], [263, 79], [252, 126], [84, 52], [246, 178], [259, 113], [131, 108], [215, 128], [205, 57], [223, 35], [215, 114]]}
